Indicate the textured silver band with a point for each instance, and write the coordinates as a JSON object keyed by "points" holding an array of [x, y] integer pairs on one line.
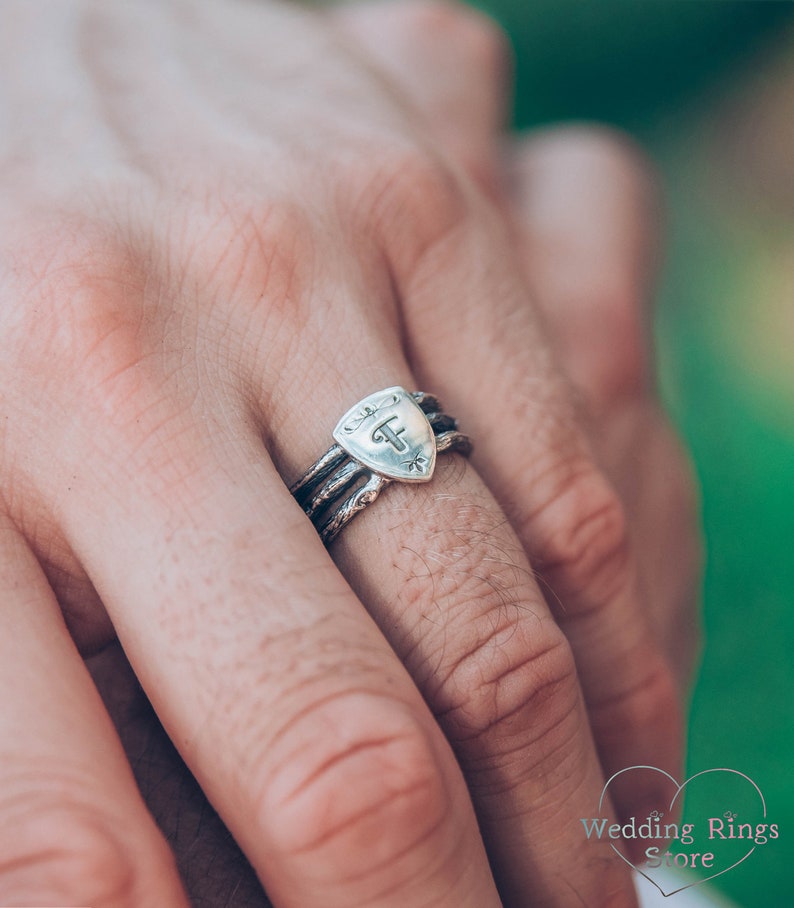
{"points": [[392, 435]]}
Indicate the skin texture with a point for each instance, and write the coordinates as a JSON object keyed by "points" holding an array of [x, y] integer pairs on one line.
{"points": [[252, 217]]}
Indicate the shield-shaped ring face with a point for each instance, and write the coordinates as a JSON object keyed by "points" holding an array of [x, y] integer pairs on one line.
{"points": [[389, 433]]}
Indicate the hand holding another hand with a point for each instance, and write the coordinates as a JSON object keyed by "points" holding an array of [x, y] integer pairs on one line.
{"points": [[222, 225]]}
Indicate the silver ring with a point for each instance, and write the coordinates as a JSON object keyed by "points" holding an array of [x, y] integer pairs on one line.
{"points": [[391, 435]]}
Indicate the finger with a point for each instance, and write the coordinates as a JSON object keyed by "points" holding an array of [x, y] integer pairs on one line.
{"points": [[483, 345], [452, 63], [73, 829], [575, 195], [588, 196], [296, 718], [446, 579], [213, 869]]}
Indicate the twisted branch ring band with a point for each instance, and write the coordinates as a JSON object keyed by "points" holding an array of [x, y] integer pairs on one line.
{"points": [[391, 435]]}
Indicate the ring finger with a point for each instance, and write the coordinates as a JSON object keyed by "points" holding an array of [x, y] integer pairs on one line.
{"points": [[585, 241]]}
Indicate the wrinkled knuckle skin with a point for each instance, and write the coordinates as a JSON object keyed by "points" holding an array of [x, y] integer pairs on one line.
{"points": [[64, 856], [580, 541], [511, 701], [501, 678], [261, 252], [369, 792], [78, 317], [91, 309], [411, 201]]}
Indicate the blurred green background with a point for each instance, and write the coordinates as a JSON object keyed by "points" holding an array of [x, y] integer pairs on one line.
{"points": [[708, 89]]}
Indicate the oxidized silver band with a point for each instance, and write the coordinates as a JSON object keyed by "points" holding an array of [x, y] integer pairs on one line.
{"points": [[390, 435]]}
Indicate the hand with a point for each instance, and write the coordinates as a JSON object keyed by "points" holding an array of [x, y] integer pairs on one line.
{"points": [[176, 290]]}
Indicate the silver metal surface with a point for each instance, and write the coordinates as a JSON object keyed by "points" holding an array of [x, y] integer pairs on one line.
{"points": [[359, 500], [390, 435]]}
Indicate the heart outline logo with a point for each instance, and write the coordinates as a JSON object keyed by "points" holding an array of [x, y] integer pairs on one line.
{"points": [[679, 788]]}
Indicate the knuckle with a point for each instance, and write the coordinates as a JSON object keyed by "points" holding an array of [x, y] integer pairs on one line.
{"points": [[513, 693], [260, 252], [93, 338], [256, 275], [414, 201], [501, 678], [650, 700], [372, 776], [78, 313], [581, 542], [64, 853]]}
